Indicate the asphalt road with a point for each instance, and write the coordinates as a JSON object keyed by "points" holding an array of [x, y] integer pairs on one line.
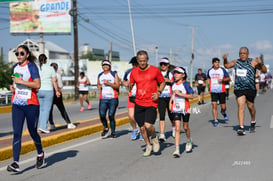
{"points": [[73, 110], [218, 153]]}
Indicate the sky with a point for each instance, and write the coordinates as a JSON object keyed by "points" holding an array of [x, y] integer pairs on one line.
{"points": [[211, 27]]}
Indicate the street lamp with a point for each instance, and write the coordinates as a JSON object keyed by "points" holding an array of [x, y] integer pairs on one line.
{"points": [[156, 55]]}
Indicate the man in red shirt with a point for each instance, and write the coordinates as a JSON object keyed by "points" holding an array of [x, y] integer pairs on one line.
{"points": [[146, 77]]}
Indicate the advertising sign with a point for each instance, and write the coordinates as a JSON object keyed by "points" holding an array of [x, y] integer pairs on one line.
{"points": [[40, 16]]}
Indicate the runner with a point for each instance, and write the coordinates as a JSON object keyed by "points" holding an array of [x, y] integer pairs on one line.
{"points": [[108, 84], [180, 105], [217, 76], [200, 82], [131, 100], [257, 81], [25, 105], [164, 99], [244, 87], [83, 83], [146, 77]]}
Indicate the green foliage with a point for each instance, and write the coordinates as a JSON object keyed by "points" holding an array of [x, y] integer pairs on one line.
{"points": [[88, 56], [5, 74]]}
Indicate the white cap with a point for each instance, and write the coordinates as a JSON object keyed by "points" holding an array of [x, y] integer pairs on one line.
{"points": [[164, 60], [106, 63], [178, 69]]}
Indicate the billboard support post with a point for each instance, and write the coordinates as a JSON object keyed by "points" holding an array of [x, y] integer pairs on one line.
{"points": [[41, 44], [76, 57]]}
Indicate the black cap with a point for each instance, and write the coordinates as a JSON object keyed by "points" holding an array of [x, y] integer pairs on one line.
{"points": [[215, 59], [133, 60]]}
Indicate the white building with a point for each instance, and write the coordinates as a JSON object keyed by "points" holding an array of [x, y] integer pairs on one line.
{"points": [[51, 50]]}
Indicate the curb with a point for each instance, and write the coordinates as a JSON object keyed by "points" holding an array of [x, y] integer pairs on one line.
{"points": [[6, 153]]}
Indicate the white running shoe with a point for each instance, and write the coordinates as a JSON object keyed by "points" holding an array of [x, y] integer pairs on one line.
{"points": [[188, 146], [148, 150], [176, 153], [156, 145], [44, 131], [71, 126], [162, 138]]}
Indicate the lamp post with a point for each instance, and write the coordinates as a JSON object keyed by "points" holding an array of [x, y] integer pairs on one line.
{"points": [[156, 55]]}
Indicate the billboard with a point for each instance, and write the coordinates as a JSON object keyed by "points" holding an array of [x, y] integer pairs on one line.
{"points": [[40, 16]]}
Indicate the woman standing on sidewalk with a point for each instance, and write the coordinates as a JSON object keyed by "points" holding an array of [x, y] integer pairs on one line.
{"points": [[58, 101], [25, 105], [46, 92]]}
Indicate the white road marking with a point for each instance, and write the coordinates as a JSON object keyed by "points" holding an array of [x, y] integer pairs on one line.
{"points": [[47, 154], [271, 122]]}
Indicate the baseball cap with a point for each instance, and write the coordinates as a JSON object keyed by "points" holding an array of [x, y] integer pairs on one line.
{"points": [[179, 70], [164, 60], [133, 60], [215, 59], [106, 62]]}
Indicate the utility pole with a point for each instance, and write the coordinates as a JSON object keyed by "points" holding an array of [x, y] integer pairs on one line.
{"points": [[76, 57], [192, 54], [110, 52], [132, 28]]}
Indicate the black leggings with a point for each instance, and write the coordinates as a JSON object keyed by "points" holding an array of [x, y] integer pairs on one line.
{"points": [[58, 101]]}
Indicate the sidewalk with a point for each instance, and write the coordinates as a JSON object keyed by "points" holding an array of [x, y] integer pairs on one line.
{"points": [[62, 134]]}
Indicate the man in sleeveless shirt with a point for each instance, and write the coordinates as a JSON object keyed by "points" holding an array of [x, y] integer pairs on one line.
{"points": [[244, 87]]}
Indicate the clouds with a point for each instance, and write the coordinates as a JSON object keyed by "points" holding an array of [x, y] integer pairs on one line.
{"points": [[264, 45]]}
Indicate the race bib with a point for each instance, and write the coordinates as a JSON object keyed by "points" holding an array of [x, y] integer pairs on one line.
{"points": [[179, 107], [241, 72], [214, 81], [23, 93], [200, 81]]}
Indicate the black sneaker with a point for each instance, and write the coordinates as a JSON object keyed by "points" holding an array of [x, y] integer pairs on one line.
{"points": [[199, 103], [203, 102], [252, 127], [104, 134], [241, 131], [14, 167], [113, 135], [40, 163]]}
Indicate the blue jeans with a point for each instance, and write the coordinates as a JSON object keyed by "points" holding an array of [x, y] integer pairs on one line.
{"points": [[19, 114], [110, 105], [46, 99]]}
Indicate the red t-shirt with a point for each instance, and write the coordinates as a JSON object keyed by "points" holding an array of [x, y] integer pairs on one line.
{"points": [[146, 83]]}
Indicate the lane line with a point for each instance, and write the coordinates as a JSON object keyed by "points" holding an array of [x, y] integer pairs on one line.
{"points": [[271, 122], [47, 154]]}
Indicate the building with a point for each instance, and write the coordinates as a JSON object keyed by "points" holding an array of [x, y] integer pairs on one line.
{"points": [[51, 50]]}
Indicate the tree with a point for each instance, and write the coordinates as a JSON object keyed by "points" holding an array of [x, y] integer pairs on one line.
{"points": [[5, 74], [88, 56]]}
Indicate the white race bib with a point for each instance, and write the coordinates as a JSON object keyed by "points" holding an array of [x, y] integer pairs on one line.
{"points": [[200, 81], [179, 106], [241, 72], [23, 93]]}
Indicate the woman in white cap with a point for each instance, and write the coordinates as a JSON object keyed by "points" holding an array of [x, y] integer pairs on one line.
{"points": [[108, 83], [180, 106]]}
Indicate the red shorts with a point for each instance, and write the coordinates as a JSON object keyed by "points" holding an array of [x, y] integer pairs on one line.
{"points": [[130, 104]]}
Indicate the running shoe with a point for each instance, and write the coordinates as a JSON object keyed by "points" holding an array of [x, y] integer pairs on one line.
{"points": [[162, 138], [203, 102], [89, 105], [82, 109], [241, 131], [104, 134], [71, 126], [173, 132], [225, 116], [188, 146], [140, 137], [134, 134], [215, 123], [14, 167], [156, 145], [52, 127], [148, 150], [199, 103], [44, 131], [252, 127], [113, 135], [40, 163], [176, 153]]}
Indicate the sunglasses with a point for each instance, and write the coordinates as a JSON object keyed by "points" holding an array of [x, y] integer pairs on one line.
{"points": [[21, 53], [165, 64]]}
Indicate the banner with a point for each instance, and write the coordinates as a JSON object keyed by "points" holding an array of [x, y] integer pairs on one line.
{"points": [[40, 16]]}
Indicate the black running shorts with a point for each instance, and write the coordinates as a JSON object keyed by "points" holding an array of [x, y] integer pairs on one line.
{"points": [[163, 104], [200, 89], [145, 114], [185, 117], [221, 97], [250, 94]]}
